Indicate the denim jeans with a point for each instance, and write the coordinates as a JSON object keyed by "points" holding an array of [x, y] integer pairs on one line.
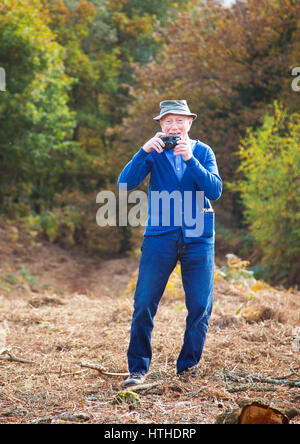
{"points": [[160, 254]]}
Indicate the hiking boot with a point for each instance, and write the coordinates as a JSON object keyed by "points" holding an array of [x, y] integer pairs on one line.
{"points": [[191, 372], [134, 379]]}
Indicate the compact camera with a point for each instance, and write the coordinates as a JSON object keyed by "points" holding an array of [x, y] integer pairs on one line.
{"points": [[170, 141]]}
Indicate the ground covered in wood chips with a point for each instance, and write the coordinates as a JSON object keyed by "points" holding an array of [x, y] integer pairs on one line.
{"points": [[59, 309]]}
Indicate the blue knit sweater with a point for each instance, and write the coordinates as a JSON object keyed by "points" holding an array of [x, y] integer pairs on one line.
{"points": [[181, 197]]}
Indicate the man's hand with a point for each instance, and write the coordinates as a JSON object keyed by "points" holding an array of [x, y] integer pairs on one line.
{"points": [[184, 148], [154, 144]]}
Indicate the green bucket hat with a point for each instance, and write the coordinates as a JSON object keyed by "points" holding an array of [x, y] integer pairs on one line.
{"points": [[174, 107]]}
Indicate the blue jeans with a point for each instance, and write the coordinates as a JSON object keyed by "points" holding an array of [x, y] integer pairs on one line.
{"points": [[160, 254]]}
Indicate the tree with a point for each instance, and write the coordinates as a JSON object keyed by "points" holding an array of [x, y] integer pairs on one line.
{"points": [[230, 64], [36, 123], [102, 41], [270, 192]]}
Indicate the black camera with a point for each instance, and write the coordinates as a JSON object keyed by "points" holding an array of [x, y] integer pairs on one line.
{"points": [[170, 141]]}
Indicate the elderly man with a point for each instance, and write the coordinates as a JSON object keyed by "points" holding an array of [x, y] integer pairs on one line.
{"points": [[188, 169]]}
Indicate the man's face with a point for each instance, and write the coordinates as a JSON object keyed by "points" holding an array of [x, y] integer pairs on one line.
{"points": [[176, 125]]}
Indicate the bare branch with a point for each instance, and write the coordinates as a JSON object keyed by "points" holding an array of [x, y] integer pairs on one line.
{"points": [[13, 358], [101, 369]]}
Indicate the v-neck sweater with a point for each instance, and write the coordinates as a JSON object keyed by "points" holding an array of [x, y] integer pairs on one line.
{"points": [[177, 162], [201, 174]]}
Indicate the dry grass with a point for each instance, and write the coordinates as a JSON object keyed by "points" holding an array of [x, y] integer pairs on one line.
{"points": [[251, 331]]}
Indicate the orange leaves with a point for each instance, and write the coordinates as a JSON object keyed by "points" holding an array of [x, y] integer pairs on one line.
{"points": [[116, 5], [228, 63]]}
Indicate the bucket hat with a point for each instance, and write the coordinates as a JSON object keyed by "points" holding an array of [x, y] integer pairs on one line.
{"points": [[174, 107]]}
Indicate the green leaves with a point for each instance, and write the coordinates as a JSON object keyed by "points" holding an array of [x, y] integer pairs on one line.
{"points": [[35, 121], [270, 192]]}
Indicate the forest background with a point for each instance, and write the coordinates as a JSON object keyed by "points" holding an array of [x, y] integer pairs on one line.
{"points": [[83, 80]]}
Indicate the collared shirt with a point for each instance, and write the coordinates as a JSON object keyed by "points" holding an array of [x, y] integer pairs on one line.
{"points": [[177, 162]]}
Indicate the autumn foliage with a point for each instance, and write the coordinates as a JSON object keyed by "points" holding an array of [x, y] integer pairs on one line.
{"points": [[85, 77]]}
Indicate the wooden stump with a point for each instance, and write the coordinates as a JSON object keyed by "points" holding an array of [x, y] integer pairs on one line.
{"points": [[253, 413]]}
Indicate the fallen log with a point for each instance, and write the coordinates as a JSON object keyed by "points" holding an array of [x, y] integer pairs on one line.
{"points": [[256, 413]]}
